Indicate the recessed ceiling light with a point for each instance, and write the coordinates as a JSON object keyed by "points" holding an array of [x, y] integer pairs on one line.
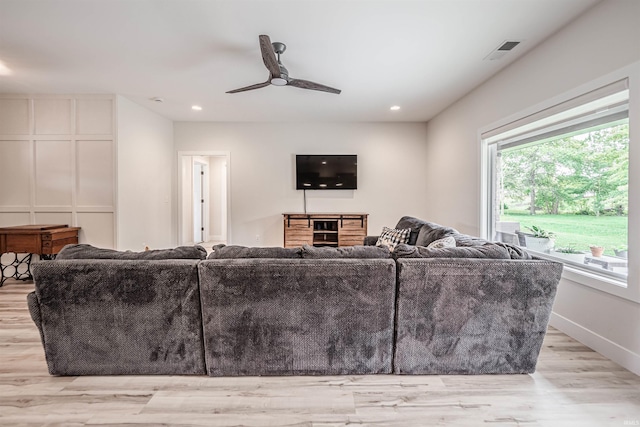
{"points": [[323, 185], [196, 107], [395, 108]]}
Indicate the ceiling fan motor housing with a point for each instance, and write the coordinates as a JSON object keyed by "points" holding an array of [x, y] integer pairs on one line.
{"points": [[279, 47], [284, 76]]}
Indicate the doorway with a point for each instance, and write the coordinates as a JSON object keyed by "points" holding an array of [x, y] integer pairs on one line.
{"points": [[203, 194]]}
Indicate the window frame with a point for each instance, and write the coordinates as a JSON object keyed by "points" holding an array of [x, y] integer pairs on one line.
{"points": [[611, 285]]}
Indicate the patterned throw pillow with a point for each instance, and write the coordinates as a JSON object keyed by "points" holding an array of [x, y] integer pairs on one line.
{"points": [[445, 242], [391, 237]]}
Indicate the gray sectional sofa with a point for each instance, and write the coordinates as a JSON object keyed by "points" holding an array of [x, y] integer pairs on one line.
{"points": [[478, 308]]}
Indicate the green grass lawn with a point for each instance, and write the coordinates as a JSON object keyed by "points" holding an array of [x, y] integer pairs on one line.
{"points": [[578, 231]]}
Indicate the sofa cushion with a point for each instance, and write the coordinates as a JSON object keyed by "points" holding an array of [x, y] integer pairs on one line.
{"points": [[486, 251], [231, 252], [414, 224], [371, 240], [430, 232], [359, 252], [516, 252], [390, 237], [445, 242], [84, 251], [465, 240]]}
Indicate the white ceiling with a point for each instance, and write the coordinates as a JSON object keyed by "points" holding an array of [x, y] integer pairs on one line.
{"points": [[421, 55]]}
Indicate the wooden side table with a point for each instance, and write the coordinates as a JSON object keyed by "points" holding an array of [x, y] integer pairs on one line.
{"points": [[25, 240]]}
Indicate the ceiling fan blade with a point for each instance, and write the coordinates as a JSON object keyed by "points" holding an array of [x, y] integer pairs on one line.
{"points": [[306, 84], [269, 56], [255, 86]]}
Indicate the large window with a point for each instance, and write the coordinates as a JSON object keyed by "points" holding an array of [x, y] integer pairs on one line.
{"points": [[558, 182]]}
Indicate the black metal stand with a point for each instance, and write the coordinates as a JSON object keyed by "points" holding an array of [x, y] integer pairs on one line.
{"points": [[19, 268]]}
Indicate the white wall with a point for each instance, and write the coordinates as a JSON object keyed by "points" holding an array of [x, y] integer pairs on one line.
{"points": [[185, 202], [57, 163], [601, 41], [392, 180], [146, 167]]}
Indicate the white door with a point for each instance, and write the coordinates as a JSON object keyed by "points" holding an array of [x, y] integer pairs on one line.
{"points": [[198, 202], [212, 215]]}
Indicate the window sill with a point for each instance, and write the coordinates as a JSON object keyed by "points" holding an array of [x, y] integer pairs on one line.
{"points": [[614, 284]]}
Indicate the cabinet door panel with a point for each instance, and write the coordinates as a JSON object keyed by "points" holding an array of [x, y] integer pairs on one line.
{"points": [[354, 224], [352, 232], [297, 232]]}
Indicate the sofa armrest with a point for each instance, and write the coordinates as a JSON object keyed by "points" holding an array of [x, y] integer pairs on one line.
{"points": [[370, 240], [472, 316], [34, 311]]}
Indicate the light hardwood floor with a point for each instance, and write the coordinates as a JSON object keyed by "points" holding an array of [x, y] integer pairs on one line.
{"points": [[573, 386]]}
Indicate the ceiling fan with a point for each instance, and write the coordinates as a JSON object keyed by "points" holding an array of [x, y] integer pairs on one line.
{"points": [[278, 74]]}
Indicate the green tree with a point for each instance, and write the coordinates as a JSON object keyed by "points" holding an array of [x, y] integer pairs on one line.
{"points": [[585, 172]]}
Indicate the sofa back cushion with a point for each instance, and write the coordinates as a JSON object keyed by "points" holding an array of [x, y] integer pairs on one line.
{"points": [[233, 252], [516, 252], [430, 232], [84, 251], [359, 252], [486, 251], [466, 240], [414, 224]]}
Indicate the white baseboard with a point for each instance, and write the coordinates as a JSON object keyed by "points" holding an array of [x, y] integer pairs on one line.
{"points": [[621, 355], [216, 238]]}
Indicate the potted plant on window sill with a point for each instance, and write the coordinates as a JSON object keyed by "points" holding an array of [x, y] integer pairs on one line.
{"points": [[596, 251], [621, 251], [569, 253], [539, 240]]}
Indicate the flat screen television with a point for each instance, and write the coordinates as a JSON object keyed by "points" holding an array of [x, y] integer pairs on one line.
{"points": [[326, 172]]}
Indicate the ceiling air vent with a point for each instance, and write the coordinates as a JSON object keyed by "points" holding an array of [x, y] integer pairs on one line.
{"points": [[501, 50]]}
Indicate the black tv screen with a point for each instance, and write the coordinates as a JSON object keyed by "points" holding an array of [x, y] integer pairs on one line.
{"points": [[331, 172]]}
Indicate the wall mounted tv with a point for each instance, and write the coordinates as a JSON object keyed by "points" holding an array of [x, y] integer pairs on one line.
{"points": [[326, 172]]}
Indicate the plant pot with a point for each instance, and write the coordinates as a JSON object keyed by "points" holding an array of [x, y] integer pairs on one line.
{"points": [[596, 251], [578, 258], [622, 253], [539, 244]]}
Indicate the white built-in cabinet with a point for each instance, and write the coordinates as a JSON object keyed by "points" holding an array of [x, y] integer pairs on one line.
{"points": [[57, 163]]}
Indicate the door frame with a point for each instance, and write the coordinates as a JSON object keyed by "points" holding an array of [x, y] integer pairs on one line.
{"points": [[203, 205], [202, 153]]}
